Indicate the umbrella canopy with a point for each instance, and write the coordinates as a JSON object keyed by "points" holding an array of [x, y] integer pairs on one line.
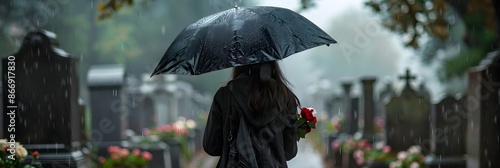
{"points": [[240, 36]]}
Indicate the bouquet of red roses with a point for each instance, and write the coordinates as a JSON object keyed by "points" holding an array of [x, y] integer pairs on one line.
{"points": [[306, 121]]}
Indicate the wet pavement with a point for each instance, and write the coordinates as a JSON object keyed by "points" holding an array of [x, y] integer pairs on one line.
{"points": [[306, 157]]}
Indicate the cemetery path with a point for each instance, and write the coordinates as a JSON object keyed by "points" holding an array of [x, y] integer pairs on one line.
{"points": [[307, 157]]}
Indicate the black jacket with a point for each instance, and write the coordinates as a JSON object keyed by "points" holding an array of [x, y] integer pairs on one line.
{"points": [[277, 143]]}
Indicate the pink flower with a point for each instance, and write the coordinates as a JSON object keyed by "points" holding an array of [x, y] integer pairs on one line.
{"points": [[146, 155], [363, 143], [115, 156], [124, 152], [360, 161], [386, 149], [113, 149], [414, 165], [358, 154], [102, 159], [414, 149], [146, 131], [395, 164], [336, 145], [136, 152], [402, 155], [379, 122], [368, 147]]}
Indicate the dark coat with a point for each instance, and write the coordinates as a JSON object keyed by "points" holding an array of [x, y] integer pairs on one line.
{"points": [[278, 142]]}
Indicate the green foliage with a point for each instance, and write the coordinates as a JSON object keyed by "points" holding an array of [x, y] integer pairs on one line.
{"points": [[456, 66]]}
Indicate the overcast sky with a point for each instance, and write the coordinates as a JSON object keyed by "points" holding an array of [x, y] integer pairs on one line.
{"points": [[345, 20]]}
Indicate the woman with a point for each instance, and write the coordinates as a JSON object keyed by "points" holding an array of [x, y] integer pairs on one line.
{"points": [[261, 93]]}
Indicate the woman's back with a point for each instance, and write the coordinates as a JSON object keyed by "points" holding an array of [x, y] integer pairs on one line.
{"points": [[271, 136]]}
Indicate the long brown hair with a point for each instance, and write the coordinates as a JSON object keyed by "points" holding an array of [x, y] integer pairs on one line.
{"points": [[262, 91]]}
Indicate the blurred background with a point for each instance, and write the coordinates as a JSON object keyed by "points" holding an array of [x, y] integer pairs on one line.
{"points": [[438, 41]]}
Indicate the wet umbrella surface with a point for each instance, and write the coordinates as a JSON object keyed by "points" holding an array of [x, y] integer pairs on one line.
{"points": [[240, 36]]}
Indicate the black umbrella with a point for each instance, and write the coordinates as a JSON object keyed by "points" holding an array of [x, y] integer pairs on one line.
{"points": [[240, 36]]}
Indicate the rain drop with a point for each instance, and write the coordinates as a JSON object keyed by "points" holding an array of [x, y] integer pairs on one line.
{"points": [[163, 29]]}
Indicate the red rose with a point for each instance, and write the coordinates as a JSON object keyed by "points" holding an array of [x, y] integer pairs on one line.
{"points": [[307, 114], [35, 154], [314, 120]]}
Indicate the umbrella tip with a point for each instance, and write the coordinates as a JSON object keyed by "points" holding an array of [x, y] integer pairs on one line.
{"points": [[153, 74]]}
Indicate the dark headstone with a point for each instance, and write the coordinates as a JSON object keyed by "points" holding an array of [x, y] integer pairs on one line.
{"points": [[149, 116], [175, 152], [449, 126], [449, 122], [354, 117], [48, 117], [134, 98], [329, 106], [347, 104], [384, 97], [408, 120], [108, 109], [368, 108], [483, 104]]}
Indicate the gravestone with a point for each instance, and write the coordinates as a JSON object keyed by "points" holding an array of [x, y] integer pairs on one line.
{"points": [[184, 94], [354, 122], [45, 109], [483, 104], [163, 95], [109, 115], [449, 124], [368, 108], [134, 99], [383, 98], [332, 106], [149, 116], [350, 122], [408, 119]]}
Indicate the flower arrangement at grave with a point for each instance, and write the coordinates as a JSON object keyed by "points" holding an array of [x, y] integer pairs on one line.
{"points": [[177, 131], [123, 158], [367, 154], [335, 124], [411, 158], [13, 155], [349, 145], [306, 121]]}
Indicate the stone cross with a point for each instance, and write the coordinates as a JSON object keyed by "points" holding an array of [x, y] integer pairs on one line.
{"points": [[407, 77], [408, 119]]}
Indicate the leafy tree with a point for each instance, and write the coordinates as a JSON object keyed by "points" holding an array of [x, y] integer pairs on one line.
{"points": [[437, 19]]}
